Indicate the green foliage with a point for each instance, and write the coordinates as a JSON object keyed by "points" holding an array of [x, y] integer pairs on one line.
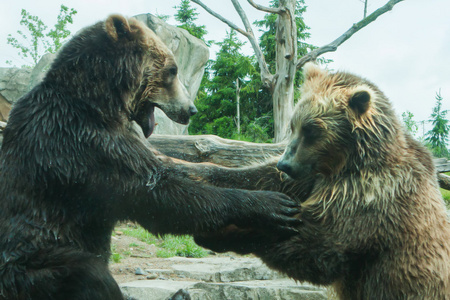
{"points": [[437, 137], [446, 197], [217, 99], [141, 234], [59, 33], [186, 15], [410, 124], [115, 257], [180, 246], [35, 41], [169, 245], [165, 18]]}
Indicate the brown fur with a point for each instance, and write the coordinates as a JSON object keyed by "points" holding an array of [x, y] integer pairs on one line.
{"points": [[374, 223], [72, 166]]}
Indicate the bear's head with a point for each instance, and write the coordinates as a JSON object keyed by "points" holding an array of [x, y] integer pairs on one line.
{"points": [[159, 85], [341, 123]]}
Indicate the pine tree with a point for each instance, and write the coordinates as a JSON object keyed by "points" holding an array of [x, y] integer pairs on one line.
{"points": [[437, 137], [186, 15], [217, 103]]}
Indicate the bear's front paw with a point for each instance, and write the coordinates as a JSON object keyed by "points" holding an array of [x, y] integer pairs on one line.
{"points": [[271, 211]]}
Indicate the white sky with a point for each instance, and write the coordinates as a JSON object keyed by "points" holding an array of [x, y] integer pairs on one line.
{"points": [[406, 52]]}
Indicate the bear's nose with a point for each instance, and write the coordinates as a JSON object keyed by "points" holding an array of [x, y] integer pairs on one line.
{"points": [[284, 167], [192, 110]]}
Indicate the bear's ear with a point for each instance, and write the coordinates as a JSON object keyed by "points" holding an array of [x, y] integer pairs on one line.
{"points": [[311, 70], [360, 101], [118, 28]]}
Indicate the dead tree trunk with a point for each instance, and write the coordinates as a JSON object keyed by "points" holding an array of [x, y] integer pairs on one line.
{"points": [[286, 61]]}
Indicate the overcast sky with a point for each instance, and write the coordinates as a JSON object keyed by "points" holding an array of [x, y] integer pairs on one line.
{"points": [[406, 52]]}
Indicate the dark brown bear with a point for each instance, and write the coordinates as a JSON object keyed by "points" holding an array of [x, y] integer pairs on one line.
{"points": [[72, 165], [374, 222]]}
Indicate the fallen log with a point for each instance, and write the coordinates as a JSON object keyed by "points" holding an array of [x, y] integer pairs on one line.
{"points": [[444, 181], [229, 153], [213, 149]]}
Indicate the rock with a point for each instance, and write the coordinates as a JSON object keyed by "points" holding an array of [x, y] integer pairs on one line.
{"points": [[222, 278], [223, 269], [5, 107], [41, 69], [181, 295], [139, 271], [14, 83], [152, 276], [191, 54], [160, 272], [280, 289], [154, 289]]}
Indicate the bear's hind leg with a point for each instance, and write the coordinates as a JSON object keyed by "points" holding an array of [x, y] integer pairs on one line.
{"points": [[64, 273]]}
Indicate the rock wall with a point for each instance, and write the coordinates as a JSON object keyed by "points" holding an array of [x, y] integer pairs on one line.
{"points": [[13, 84], [191, 55]]}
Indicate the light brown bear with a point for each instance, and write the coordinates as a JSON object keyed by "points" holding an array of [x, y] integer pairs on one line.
{"points": [[71, 166], [374, 222]]}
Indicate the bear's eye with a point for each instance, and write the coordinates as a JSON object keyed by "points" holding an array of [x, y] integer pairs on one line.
{"points": [[173, 71], [309, 133]]}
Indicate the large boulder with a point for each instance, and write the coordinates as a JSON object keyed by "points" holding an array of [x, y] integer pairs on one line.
{"points": [[191, 55]]}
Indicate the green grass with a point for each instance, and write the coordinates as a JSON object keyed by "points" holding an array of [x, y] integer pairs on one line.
{"points": [[115, 257], [141, 234], [169, 245], [446, 196], [446, 193], [180, 246]]}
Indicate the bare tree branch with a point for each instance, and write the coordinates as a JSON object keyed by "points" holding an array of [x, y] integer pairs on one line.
{"points": [[226, 21], [331, 47], [271, 10], [365, 8], [266, 77], [243, 16]]}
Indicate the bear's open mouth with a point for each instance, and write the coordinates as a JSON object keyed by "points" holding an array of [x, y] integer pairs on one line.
{"points": [[145, 117]]}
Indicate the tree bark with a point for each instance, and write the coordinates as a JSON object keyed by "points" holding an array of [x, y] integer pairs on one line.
{"points": [[213, 149], [286, 60]]}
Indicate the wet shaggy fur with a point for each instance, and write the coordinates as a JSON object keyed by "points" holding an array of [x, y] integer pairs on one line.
{"points": [[374, 223], [72, 165]]}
